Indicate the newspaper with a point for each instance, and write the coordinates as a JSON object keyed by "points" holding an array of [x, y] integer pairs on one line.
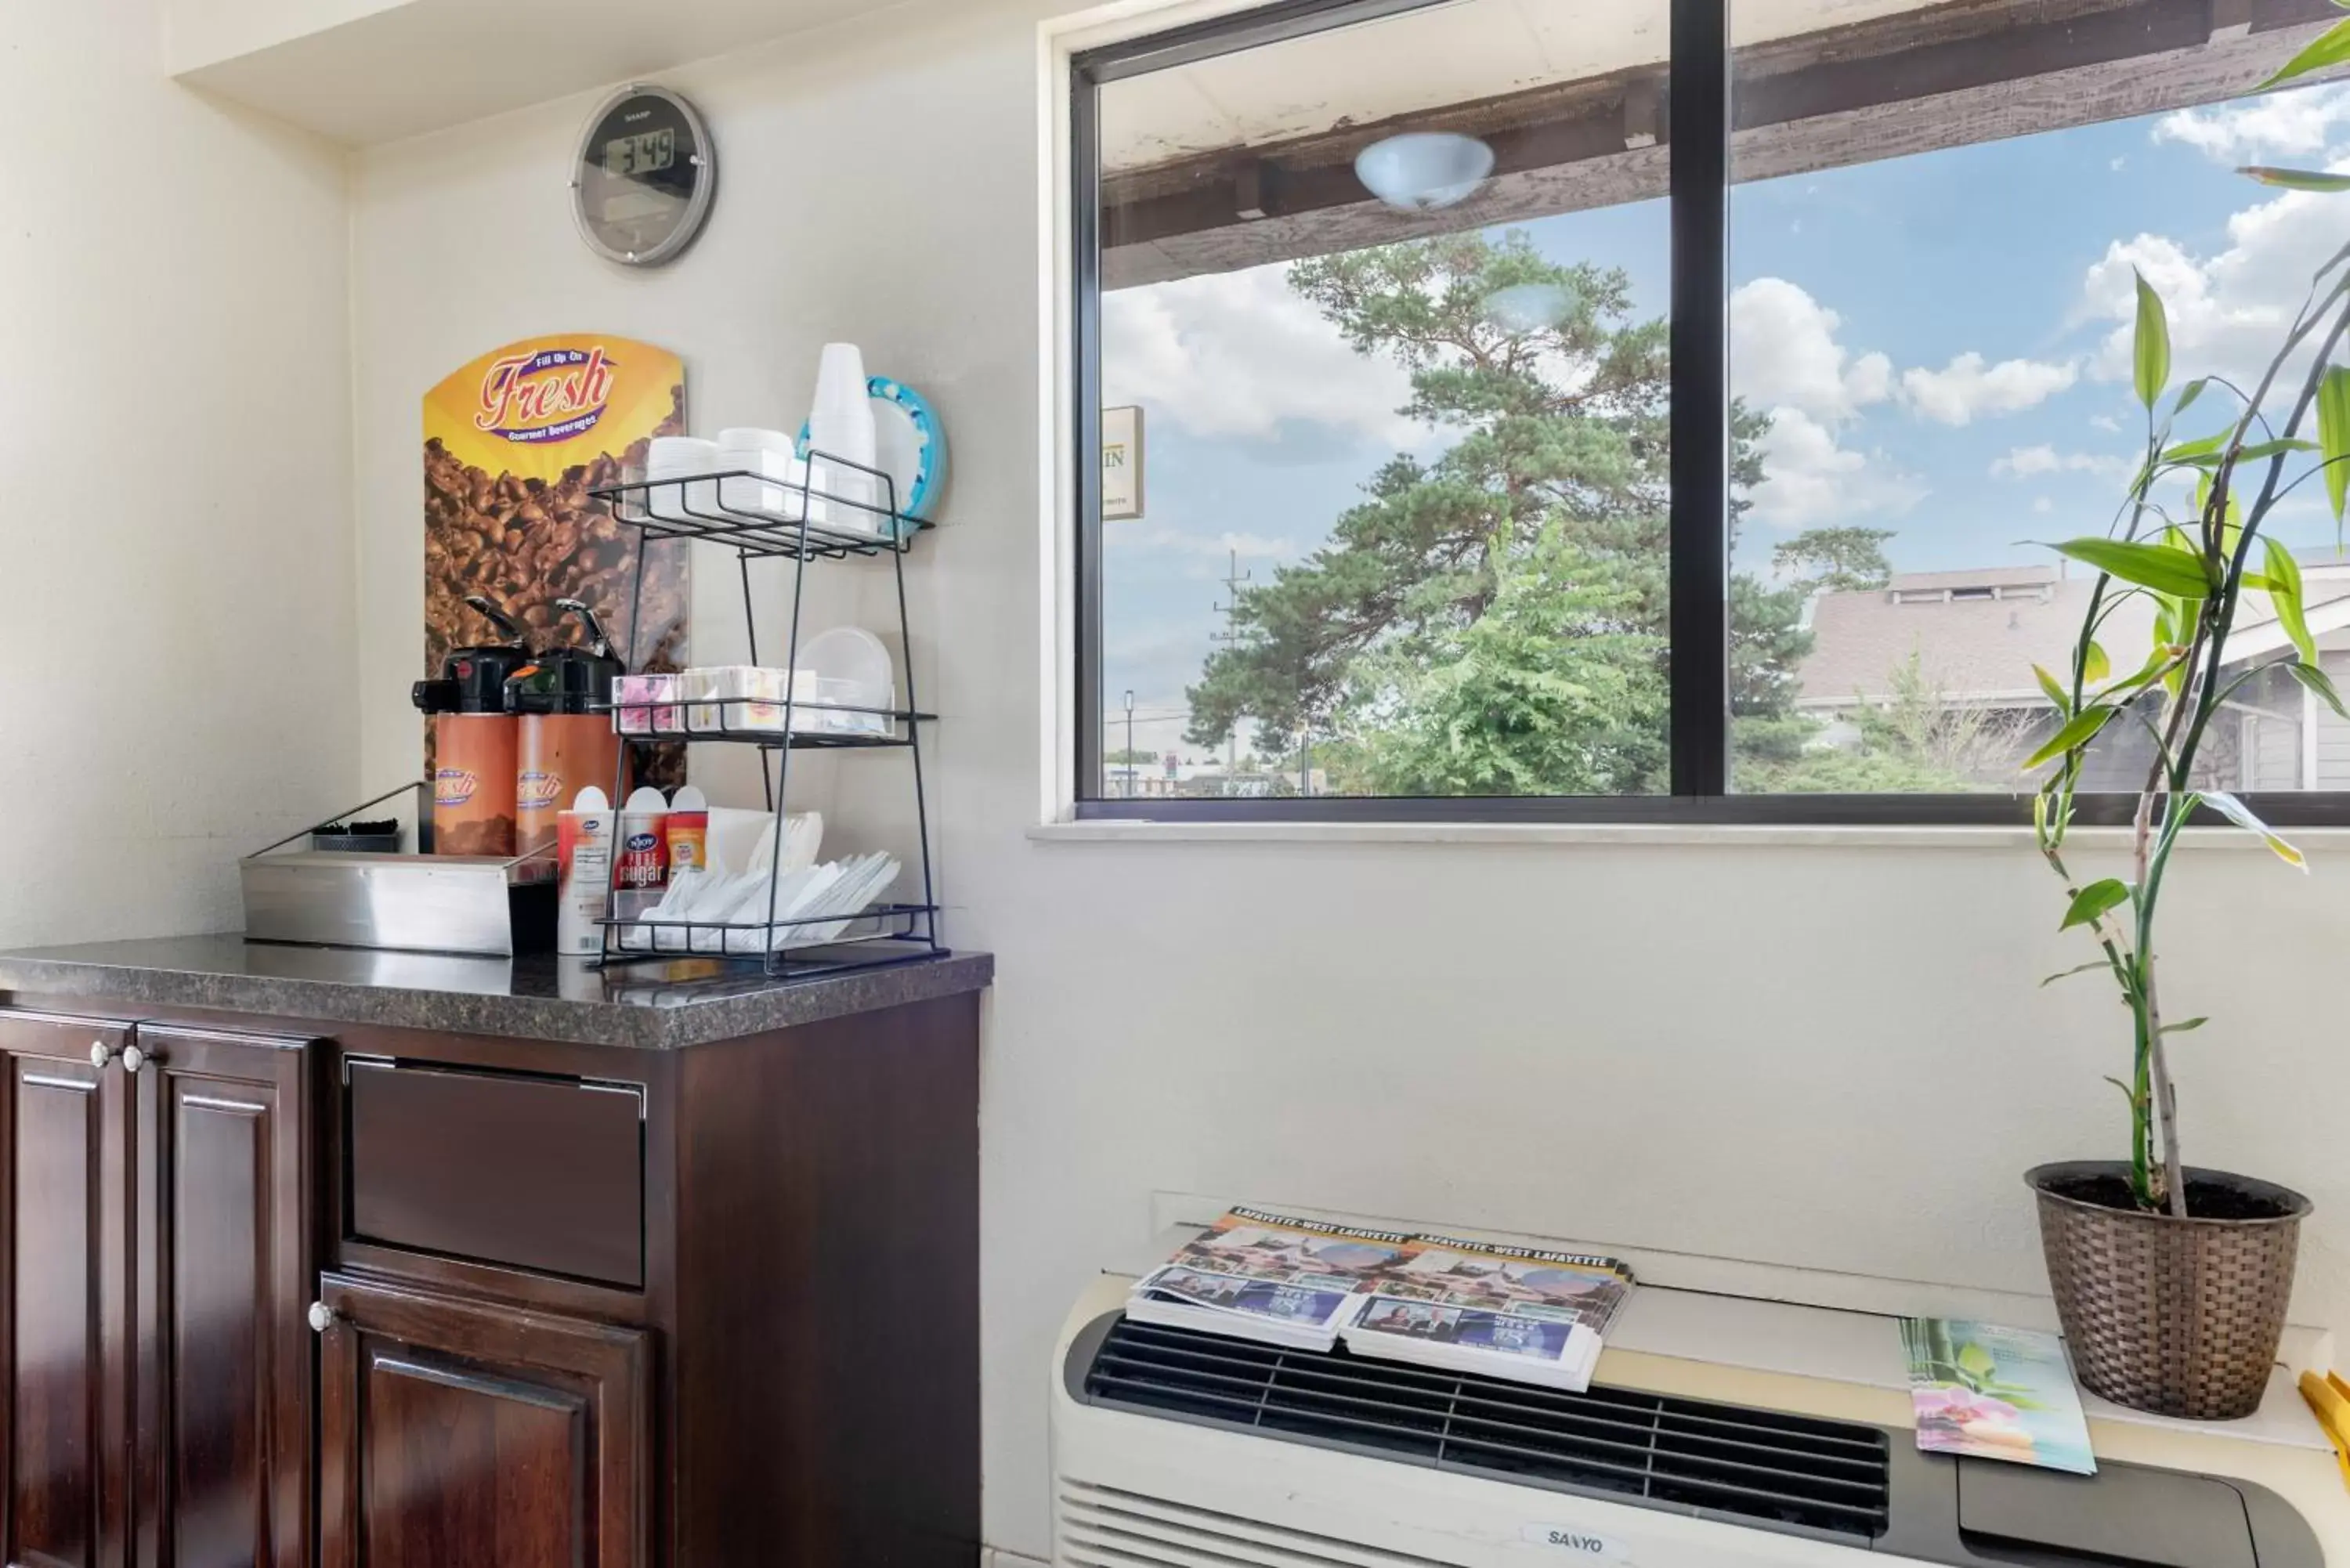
{"points": [[1275, 1278]]}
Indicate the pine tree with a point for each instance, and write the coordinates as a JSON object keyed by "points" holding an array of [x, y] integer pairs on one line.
{"points": [[1495, 621]]}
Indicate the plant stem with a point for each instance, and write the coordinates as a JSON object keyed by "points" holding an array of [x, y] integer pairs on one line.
{"points": [[2178, 810]]}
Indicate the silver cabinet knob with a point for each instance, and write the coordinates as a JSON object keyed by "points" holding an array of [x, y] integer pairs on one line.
{"points": [[100, 1053], [323, 1317], [134, 1058]]}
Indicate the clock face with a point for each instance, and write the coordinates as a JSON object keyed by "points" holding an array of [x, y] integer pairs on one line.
{"points": [[644, 178]]}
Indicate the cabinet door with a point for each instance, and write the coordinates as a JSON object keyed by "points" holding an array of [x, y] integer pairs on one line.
{"points": [[64, 1242], [459, 1434], [224, 1261]]}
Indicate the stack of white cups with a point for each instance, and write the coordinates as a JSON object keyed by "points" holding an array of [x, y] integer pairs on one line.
{"points": [[841, 425], [769, 454], [673, 458]]}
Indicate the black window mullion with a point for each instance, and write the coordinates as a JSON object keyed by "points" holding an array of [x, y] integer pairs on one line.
{"points": [[1698, 562], [1085, 231]]}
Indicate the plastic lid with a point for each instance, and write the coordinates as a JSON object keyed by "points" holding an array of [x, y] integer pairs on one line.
{"points": [[750, 438], [852, 654]]}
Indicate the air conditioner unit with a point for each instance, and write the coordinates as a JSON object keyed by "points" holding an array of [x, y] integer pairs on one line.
{"points": [[1177, 1449]]}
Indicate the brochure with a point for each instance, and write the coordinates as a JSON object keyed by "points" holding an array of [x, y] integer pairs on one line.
{"points": [[1434, 1300], [1993, 1393], [1477, 1306], [1273, 1278]]}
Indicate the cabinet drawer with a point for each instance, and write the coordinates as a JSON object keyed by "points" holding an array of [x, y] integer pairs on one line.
{"points": [[545, 1173]]}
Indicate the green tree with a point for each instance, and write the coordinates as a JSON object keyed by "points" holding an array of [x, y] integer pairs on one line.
{"points": [[1552, 691], [1916, 738], [1835, 560], [1546, 515]]}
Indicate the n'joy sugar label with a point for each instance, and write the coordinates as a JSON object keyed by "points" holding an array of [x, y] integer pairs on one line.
{"points": [[1579, 1545]]}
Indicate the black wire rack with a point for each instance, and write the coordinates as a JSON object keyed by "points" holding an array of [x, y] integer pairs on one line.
{"points": [[804, 524]]}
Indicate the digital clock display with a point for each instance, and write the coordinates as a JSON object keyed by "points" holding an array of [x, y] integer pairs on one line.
{"points": [[642, 183], [646, 152]]}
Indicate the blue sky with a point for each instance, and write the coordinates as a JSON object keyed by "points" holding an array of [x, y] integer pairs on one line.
{"points": [[1939, 339]]}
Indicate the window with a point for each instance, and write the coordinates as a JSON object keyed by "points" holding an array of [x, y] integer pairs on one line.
{"points": [[1544, 408]]}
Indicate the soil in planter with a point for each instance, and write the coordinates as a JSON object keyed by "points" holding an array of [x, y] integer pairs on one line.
{"points": [[2205, 1199]]}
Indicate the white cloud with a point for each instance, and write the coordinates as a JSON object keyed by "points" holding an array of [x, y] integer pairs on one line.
{"points": [[2042, 505], [1236, 354], [1248, 546], [2228, 312], [1784, 359], [2106, 422], [2278, 125], [1784, 354], [1968, 387], [1811, 479], [2026, 461]]}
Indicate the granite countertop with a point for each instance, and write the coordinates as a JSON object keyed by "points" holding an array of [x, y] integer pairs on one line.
{"points": [[657, 1006]]}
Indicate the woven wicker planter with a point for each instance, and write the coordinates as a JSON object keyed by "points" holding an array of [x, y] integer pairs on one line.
{"points": [[2177, 1316]]}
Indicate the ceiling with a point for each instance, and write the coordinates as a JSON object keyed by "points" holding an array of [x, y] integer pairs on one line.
{"points": [[366, 71]]}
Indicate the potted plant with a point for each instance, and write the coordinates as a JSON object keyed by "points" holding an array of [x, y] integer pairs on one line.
{"points": [[2172, 1279]]}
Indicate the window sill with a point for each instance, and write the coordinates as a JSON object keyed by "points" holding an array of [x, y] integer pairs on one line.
{"points": [[1624, 835]]}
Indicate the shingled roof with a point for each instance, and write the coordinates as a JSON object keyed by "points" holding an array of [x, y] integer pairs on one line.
{"points": [[1977, 634]]}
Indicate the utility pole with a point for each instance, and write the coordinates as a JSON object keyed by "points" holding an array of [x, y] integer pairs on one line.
{"points": [[1234, 578], [1132, 780]]}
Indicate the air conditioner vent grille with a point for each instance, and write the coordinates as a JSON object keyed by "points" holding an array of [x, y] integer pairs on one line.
{"points": [[1105, 1527], [1759, 1464]]}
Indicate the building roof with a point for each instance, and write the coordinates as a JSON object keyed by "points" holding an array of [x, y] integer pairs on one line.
{"points": [[1977, 633]]}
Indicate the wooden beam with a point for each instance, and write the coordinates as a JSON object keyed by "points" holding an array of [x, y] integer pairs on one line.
{"points": [[1944, 77]]}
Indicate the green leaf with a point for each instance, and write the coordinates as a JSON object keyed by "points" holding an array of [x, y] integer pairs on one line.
{"points": [[2076, 968], [2055, 690], [2095, 664], [2093, 900], [2152, 362], [2334, 436], [2296, 178], [2284, 592], [2317, 681], [2127, 1093], [2330, 47], [2137, 680], [2078, 731], [2183, 1028], [2157, 567], [2237, 812], [1975, 1361], [2267, 449], [2188, 394], [2201, 448]]}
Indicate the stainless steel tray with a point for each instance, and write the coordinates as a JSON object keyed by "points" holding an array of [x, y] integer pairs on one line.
{"points": [[418, 903]]}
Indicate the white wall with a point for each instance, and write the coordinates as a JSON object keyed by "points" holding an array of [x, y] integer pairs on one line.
{"points": [[1832, 1055], [176, 658]]}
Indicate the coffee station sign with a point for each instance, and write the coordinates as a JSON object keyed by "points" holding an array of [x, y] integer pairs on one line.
{"points": [[520, 558]]}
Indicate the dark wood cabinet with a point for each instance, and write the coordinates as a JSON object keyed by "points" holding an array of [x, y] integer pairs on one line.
{"points": [[153, 1355], [458, 1434], [401, 1299], [224, 1262], [63, 1295]]}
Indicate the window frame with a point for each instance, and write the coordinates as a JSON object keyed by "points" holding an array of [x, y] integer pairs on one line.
{"points": [[1699, 77]]}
